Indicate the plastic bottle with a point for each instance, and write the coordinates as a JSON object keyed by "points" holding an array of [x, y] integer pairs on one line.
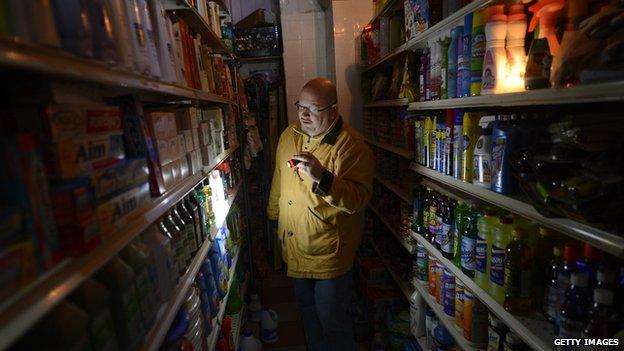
{"points": [[181, 253], [551, 296], [185, 223], [193, 210], [138, 38], [175, 251], [592, 257], [432, 276], [483, 248], [448, 293], [195, 238], [516, 57], [417, 315], [447, 165], [441, 138], [430, 323], [470, 134], [103, 38], [461, 212], [92, 297], [504, 143], [603, 319], [605, 278], [483, 154], [574, 310], [518, 274], [74, 27], [162, 256], [459, 304], [477, 50], [457, 144], [463, 59], [448, 228], [469, 241], [497, 332], [495, 59], [433, 209], [542, 253], [144, 288], [436, 70], [514, 343], [422, 264], [268, 327], [568, 266], [443, 340], [249, 343], [422, 75], [475, 324], [118, 277], [443, 201], [119, 21], [418, 224], [444, 66], [457, 34], [501, 235]]}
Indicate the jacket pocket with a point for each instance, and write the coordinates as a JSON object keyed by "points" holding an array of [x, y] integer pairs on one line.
{"points": [[318, 237]]}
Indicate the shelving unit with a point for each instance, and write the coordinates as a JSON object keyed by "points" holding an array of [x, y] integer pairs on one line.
{"points": [[409, 247], [535, 330], [388, 103], [602, 92], [213, 337], [236, 332], [601, 239], [158, 332], [23, 310], [404, 288], [397, 150], [404, 195]]}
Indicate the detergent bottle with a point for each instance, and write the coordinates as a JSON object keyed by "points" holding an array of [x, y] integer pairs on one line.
{"points": [[516, 56], [495, 59]]}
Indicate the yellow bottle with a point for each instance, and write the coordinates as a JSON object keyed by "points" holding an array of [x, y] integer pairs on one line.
{"points": [[470, 133]]}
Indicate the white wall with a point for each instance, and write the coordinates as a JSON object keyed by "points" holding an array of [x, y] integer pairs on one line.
{"points": [[349, 17]]}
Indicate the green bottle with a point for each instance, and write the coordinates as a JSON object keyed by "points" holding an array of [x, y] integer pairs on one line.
{"points": [[460, 214], [468, 243]]}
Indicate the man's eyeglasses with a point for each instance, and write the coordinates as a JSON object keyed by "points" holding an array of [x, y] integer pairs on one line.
{"points": [[313, 109]]}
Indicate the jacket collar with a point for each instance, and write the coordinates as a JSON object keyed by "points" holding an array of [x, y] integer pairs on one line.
{"points": [[328, 137]]}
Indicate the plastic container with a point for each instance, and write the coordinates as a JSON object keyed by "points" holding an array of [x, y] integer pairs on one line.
{"points": [[92, 297], [603, 318], [448, 293], [470, 134], [457, 34], [475, 319], [458, 142], [592, 257], [74, 27], [568, 266], [138, 37], [463, 59], [514, 343], [123, 42], [443, 340], [118, 277], [422, 263], [519, 277], [417, 315], [64, 328], [459, 304], [483, 155], [268, 325], [477, 50], [461, 213], [504, 144], [188, 233], [483, 249], [249, 343], [501, 235], [495, 59], [497, 332], [144, 288], [444, 71], [103, 39], [573, 315], [469, 242], [551, 296], [433, 274], [430, 323], [162, 256], [448, 228]]}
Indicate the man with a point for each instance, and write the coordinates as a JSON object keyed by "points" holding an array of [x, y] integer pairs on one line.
{"points": [[318, 203]]}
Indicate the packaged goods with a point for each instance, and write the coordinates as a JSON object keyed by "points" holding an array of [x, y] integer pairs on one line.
{"points": [[205, 136], [121, 176], [104, 46], [150, 38], [162, 124], [448, 292], [475, 320], [145, 289], [119, 22], [497, 331], [470, 133], [115, 212], [185, 169], [519, 277], [501, 235], [573, 315], [65, 121], [162, 256], [74, 27], [138, 37], [93, 298], [188, 140]]}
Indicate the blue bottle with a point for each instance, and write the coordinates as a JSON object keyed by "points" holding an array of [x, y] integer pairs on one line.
{"points": [[456, 41], [573, 315], [504, 143], [463, 59], [443, 339]]}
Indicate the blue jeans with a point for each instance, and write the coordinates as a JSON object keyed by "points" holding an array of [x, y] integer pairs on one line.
{"points": [[324, 305]]}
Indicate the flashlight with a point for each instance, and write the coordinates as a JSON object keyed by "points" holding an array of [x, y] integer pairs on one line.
{"points": [[292, 163]]}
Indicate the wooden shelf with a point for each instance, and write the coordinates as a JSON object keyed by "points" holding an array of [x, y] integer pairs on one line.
{"points": [[388, 103], [58, 63], [609, 242], [158, 332], [397, 150], [405, 196], [28, 306], [409, 247], [535, 330]]}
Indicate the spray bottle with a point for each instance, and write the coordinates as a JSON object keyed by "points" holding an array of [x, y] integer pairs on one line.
{"points": [[463, 59]]}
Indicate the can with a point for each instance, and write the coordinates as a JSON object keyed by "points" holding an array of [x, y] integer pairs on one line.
{"points": [[422, 262], [459, 305], [448, 288]]}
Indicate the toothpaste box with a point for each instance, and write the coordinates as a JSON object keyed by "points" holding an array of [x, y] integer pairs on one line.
{"points": [[162, 124], [195, 161], [74, 211], [188, 140], [204, 134], [121, 176], [66, 121], [188, 118], [185, 170], [206, 155], [175, 171], [214, 116], [180, 149], [116, 212], [167, 175], [165, 150], [79, 156], [195, 135]]}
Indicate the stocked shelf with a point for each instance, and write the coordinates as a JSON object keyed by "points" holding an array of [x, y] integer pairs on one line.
{"points": [[404, 195], [397, 150], [57, 63], [191, 16], [384, 10], [159, 330], [535, 331], [23, 310], [387, 57], [409, 247], [388, 103], [601, 239], [600, 92], [404, 288], [240, 320], [216, 328], [448, 322]]}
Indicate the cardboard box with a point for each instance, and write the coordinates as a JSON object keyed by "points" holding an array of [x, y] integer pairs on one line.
{"points": [[175, 171], [80, 156], [66, 121], [117, 211], [214, 116], [218, 144], [188, 118], [162, 124], [197, 161], [121, 176], [195, 135], [163, 148], [188, 140], [206, 155], [181, 146], [185, 170], [204, 134], [167, 175]]}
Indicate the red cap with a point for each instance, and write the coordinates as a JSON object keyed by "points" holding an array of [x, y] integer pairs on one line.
{"points": [[570, 253], [591, 253]]}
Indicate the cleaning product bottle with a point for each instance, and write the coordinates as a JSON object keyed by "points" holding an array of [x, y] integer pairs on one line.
{"points": [[463, 59], [457, 34], [518, 274], [268, 325], [603, 319], [483, 247], [188, 232], [568, 266], [516, 56], [118, 277], [545, 42], [119, 22], [164, 232], [495, 59], [422, 75], [138, 38], [193, 239], [448, 228], [551, 295], [573, 315], [461, 213], [433, 145], [477, 51], [427, 141], [444, 66], [447, 166], [144, 288], [249, 343], [193, 210], [178, 242], [501, 235], [468, 244], [483, 154], [504, 143], [470, 134], [417, 315], [436, 69], [93, 298], [441, 137], [458, 126], [418, 224]]}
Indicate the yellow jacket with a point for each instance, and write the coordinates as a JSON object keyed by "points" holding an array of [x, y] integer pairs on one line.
{"points": [[320, 229]]}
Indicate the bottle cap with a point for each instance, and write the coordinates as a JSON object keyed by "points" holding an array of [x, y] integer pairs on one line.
{"points": [[570, 253], [591, 253], [603, 296], [579, 279]]}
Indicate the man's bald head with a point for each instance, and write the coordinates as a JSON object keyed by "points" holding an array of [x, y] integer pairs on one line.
{"points": [[323, 89]]}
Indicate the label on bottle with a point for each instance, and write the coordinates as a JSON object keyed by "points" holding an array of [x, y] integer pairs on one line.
{"points": [[552, 304], [191, 243], [481, 255], [495, 341], [443, 79], [477, 52], [497, 266], [468, 253], [447, 238], [421, 263], [448, 301], [569, 328], [102, 332], [489, 76], [498, 159]]}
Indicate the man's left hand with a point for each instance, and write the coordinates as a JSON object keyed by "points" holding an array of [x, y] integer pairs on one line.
{"points": [[309, 166]]}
